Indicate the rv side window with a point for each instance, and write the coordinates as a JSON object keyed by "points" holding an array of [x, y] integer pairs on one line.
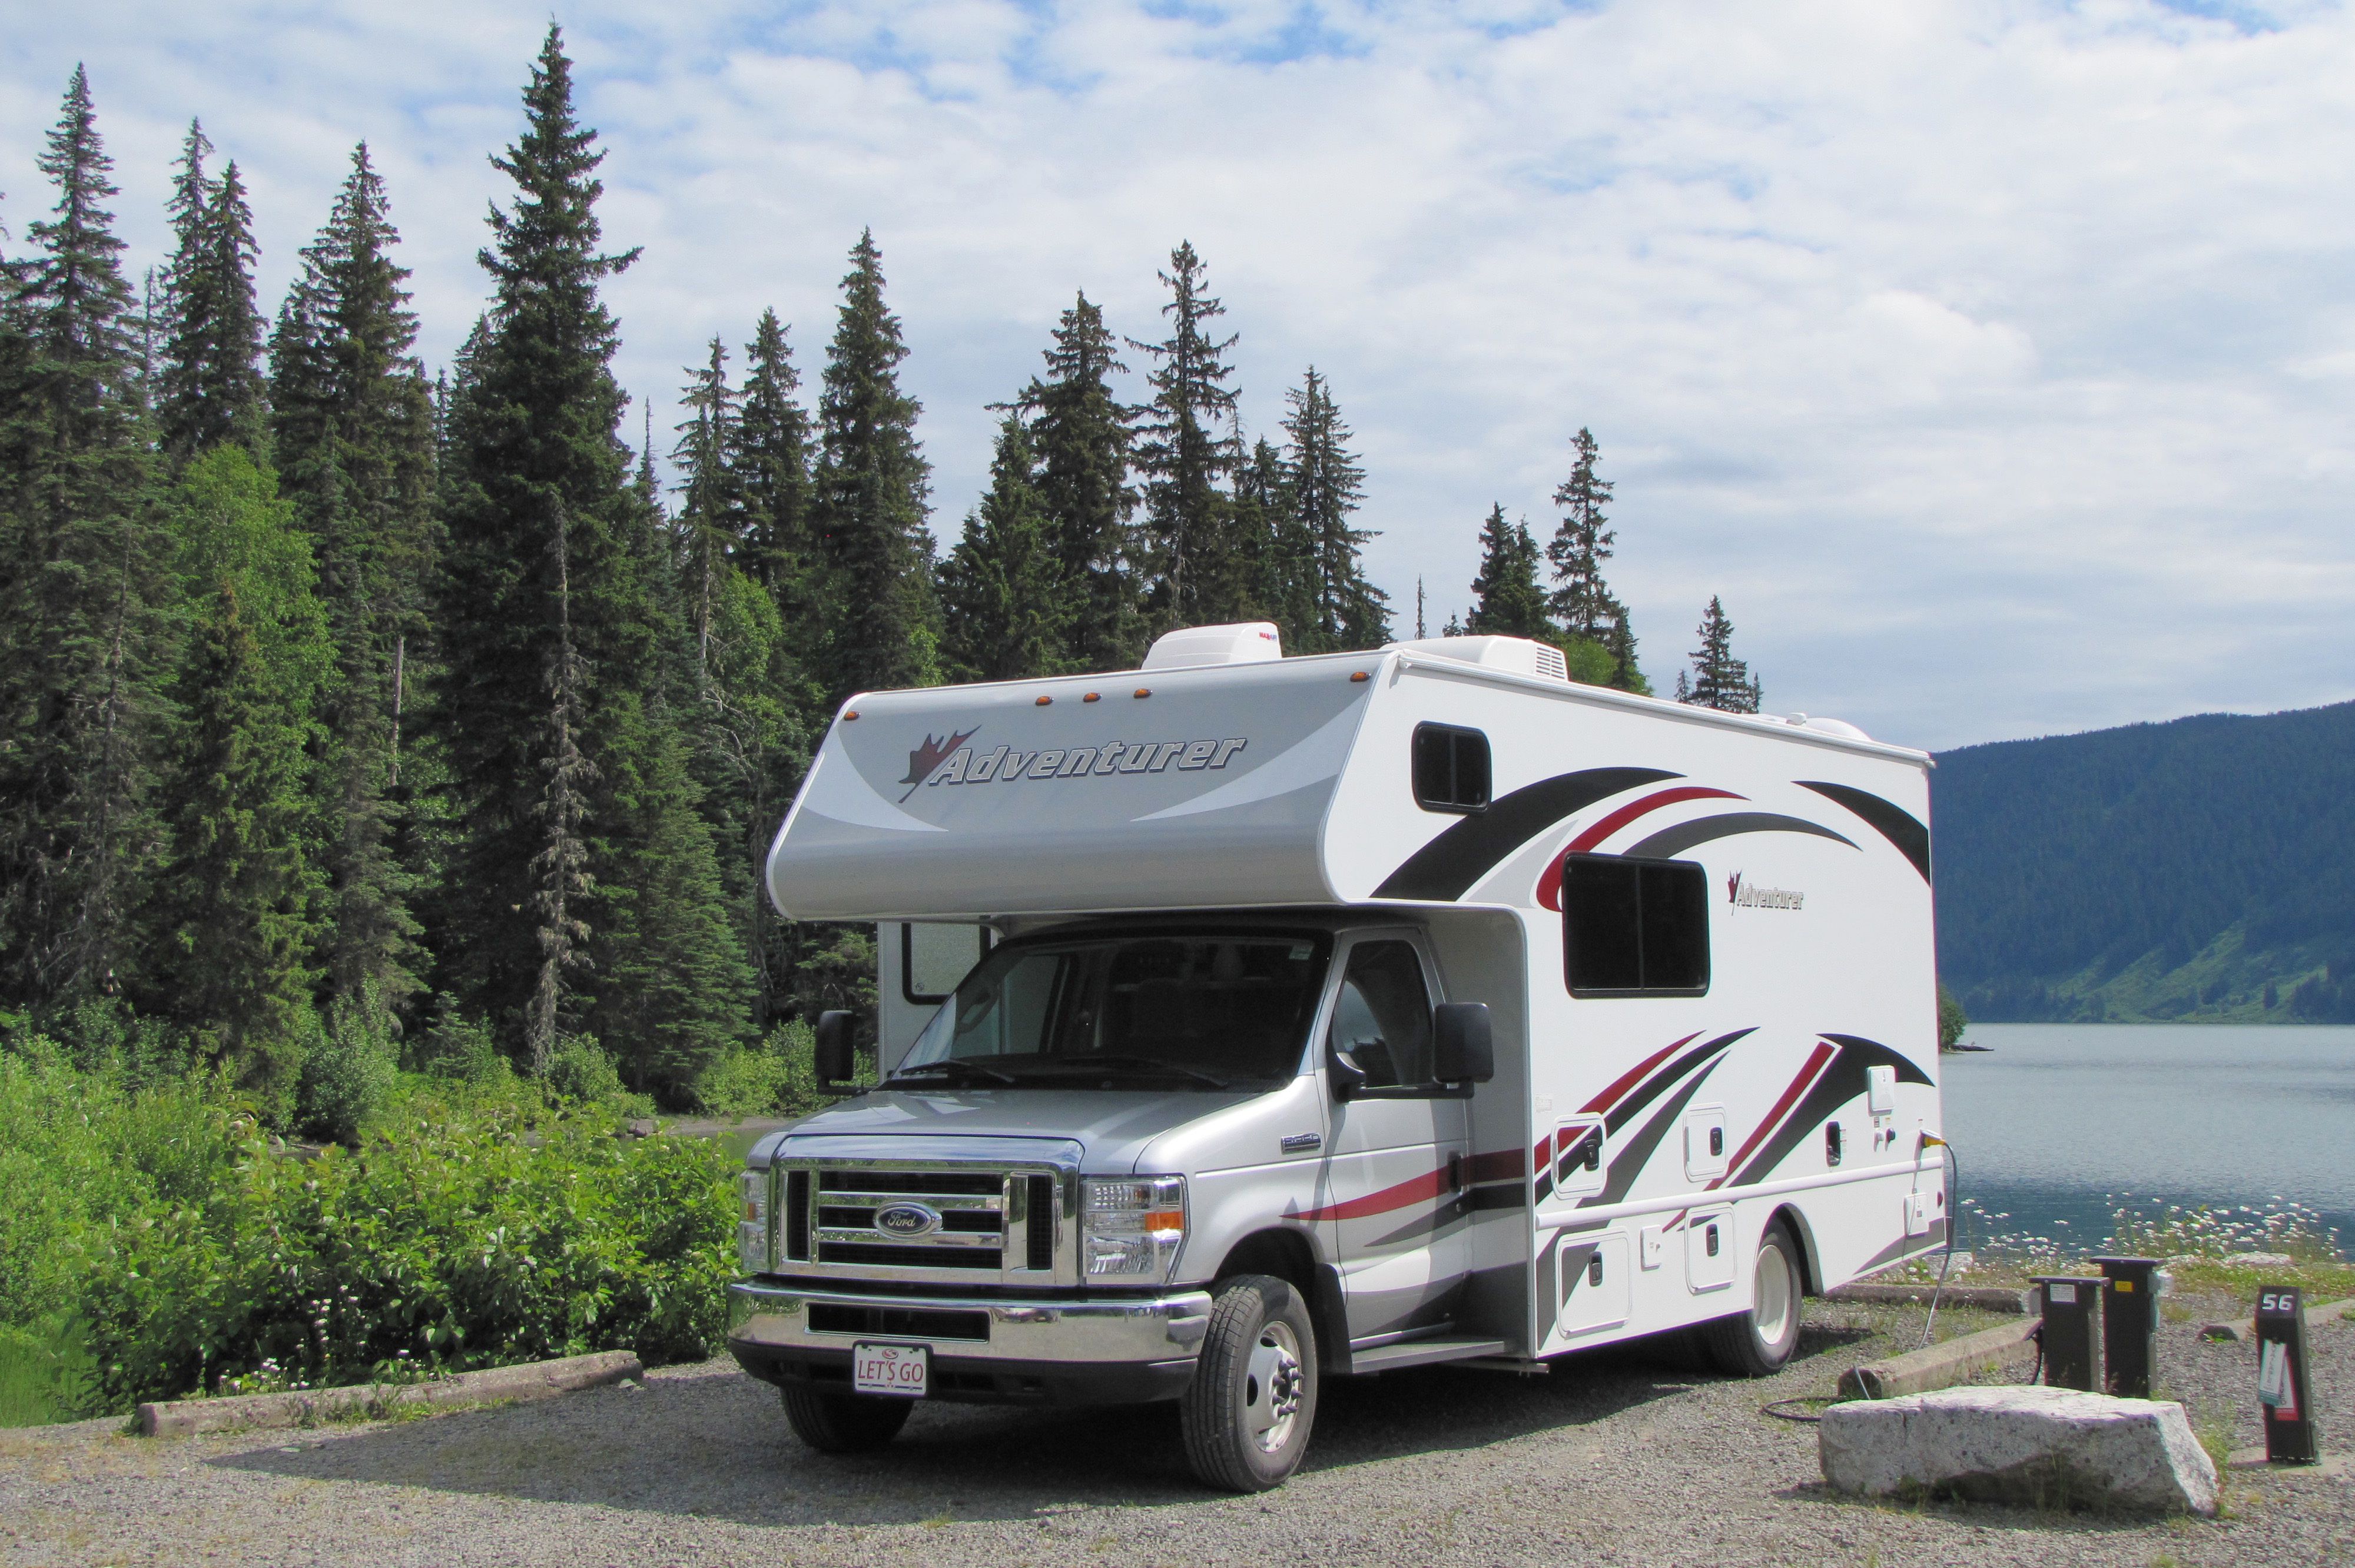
{"points": [[1634, 928], [934, 958], [1451, 768]]}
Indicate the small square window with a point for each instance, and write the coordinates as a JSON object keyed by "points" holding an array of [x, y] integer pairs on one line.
{"points": [[1451, 768]]}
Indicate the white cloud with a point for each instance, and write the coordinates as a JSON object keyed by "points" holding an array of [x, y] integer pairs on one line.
{"points": [[1989, 358]]}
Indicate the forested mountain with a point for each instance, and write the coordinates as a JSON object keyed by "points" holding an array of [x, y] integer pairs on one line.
{"points": [[352, 708], [2201, 869]]}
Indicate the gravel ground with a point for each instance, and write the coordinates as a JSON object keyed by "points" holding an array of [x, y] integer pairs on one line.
{"points": [[1616, 1457]]}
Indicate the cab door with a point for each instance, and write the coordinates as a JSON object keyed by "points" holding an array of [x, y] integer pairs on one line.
{"points": [[1396, 1221]]}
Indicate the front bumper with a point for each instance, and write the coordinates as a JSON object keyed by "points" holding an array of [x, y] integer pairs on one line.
{"points": [[1119, 1349]]}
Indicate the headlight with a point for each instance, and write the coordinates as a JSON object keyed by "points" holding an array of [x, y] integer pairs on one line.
{"points": [[753, 1229], [1132, 1229]]}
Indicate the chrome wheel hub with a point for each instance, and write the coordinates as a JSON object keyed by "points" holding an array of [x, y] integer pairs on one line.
{"points": [[1272, 1387]]}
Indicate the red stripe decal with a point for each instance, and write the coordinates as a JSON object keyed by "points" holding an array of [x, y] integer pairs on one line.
{"points": [[1818, 1060], [1420, 1189], [1497, 1165], [1628, 1080], [1549, 880]]}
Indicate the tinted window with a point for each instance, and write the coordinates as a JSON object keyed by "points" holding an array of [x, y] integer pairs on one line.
{"points": [[1381, 1020], [1451, 768], [934, 958], [1634, 925]]}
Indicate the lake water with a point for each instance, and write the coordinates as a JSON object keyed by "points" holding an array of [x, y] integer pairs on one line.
{"points": [[2063, 1122]]}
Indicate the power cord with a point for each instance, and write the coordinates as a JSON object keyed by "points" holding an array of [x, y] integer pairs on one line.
{"points": [[1953, 1163]]}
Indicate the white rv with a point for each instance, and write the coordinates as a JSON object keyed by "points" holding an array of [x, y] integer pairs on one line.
{"points": [[1252, 1020]]}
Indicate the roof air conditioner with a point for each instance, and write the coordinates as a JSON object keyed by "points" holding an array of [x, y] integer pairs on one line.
{"points": [[1518, 655], [1191, 647]]}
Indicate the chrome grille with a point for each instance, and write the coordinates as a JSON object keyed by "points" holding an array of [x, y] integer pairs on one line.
{"points": [[884, 1219]]}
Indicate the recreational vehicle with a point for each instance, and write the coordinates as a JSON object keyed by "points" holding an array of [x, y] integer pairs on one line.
{"points": [[1248, 1021]]}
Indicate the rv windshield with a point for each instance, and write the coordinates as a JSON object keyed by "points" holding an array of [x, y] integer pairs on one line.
{"points": [[1205, 1012]]}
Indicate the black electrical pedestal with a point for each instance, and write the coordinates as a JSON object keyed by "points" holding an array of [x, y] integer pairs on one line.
{"points": [[2281, 1377], [2071, 1332], [2129, 1325]]}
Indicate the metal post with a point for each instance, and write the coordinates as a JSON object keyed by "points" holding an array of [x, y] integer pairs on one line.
{"points": [[2281, 1376], [2072, 1331], [2129, 1325]]}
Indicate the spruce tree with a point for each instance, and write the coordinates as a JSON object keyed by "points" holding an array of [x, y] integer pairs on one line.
{"points": [[1719, 680], [873, 494], [1081, 436], [565, 743], [771, 463], [1275, 553], [353, 429], [711, 511], [1005, 603], [210, 381], [1506, 597], [87, 621], [1594, 631], [1188, 452], [234, 907], [1326, 485]]}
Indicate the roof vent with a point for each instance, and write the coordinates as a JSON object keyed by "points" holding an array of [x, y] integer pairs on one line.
{"points": [[1518, 655], [1840, 728], [1191, 647]]}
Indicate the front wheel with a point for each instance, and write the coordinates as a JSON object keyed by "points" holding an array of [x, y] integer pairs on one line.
{"points": [[1758, 1342], [1247, 1413], [844, 1422]]}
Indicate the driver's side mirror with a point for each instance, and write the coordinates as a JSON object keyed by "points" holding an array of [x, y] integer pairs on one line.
{"points": [[1342, 1072], [834, 1060], [1462, 1051]]}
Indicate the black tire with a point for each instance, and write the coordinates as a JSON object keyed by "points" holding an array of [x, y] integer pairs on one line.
{"points": [[844, 1422], [1248, 1413], [1759, 1342]]}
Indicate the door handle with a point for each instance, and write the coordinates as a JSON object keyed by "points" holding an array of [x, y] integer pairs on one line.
{"points": [[1456, 1173]]}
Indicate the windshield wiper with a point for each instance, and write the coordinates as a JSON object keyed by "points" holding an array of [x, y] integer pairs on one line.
{"points": [[966, 1067], [1089, 1064]]}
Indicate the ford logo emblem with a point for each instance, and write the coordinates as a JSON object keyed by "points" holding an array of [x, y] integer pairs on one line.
{"points": [[907, 1219]]}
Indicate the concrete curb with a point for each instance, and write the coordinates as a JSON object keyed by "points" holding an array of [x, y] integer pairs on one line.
{"points": [[1985, 1297], [537, 1381], [1937, 1366]]}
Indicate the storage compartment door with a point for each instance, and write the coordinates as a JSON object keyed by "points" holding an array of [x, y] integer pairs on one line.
{"points": [[1709, 1250], [1594, 1287]]}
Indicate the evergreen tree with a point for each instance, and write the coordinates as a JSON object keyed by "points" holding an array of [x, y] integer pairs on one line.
{"points": [[234, 901], [772, 468], [86, 621], [873, 488], [1005, 603], [210, 381], [711, 511], [1188, 451], [566, 746], [1081, 436], [1595, 627], [353, 428], [1506, 597], [1275, 553], [1719, 680], [1326, 485]]}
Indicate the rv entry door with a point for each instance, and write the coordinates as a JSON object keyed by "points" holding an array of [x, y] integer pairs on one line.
{"points": [[1396, 1221]]}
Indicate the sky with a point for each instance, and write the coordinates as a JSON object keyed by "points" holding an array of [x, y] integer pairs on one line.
{"points": [[1993, 361]]}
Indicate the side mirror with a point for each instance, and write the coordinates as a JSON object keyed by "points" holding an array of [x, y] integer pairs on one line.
{"points": [[833, 1059], [1461, 1049]]}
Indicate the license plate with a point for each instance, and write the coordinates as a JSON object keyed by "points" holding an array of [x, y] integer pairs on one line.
{"points": [[901, 1370]]}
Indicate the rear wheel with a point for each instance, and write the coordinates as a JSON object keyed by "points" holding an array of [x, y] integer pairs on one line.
{"points": [[1757, 1343], [844, 1422], [1247, 1413]]}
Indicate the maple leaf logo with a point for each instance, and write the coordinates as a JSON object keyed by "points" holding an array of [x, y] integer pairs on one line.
{"points": [[1733, 888], [931, 754]]}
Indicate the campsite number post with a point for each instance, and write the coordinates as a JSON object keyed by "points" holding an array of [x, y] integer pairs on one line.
{"points": [[2281, 1376]]}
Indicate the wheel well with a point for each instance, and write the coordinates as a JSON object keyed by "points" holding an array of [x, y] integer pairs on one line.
{"points": [[1287, 1256], [1810, 1272]]}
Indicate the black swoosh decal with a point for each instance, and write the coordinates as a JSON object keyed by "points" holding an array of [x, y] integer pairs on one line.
{"points": [[1618, 1115], [1446, 867], [1629, 1162], [1841, 1082], [1670, 842], [1888, 819]]}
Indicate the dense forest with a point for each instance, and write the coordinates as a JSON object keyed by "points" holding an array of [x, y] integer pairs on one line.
{"points": [[351, 712], [2202, 869]]}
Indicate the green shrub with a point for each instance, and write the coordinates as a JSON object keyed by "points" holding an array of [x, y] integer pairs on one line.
{"points": [[458, 1239], [347, 1071], [580, 1071], [776, 1078]]}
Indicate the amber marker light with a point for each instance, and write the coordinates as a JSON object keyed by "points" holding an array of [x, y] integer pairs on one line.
{"points": [[1044, 701], [1358, 675], [1092, 697], [851, 714], [1144, 691]]}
